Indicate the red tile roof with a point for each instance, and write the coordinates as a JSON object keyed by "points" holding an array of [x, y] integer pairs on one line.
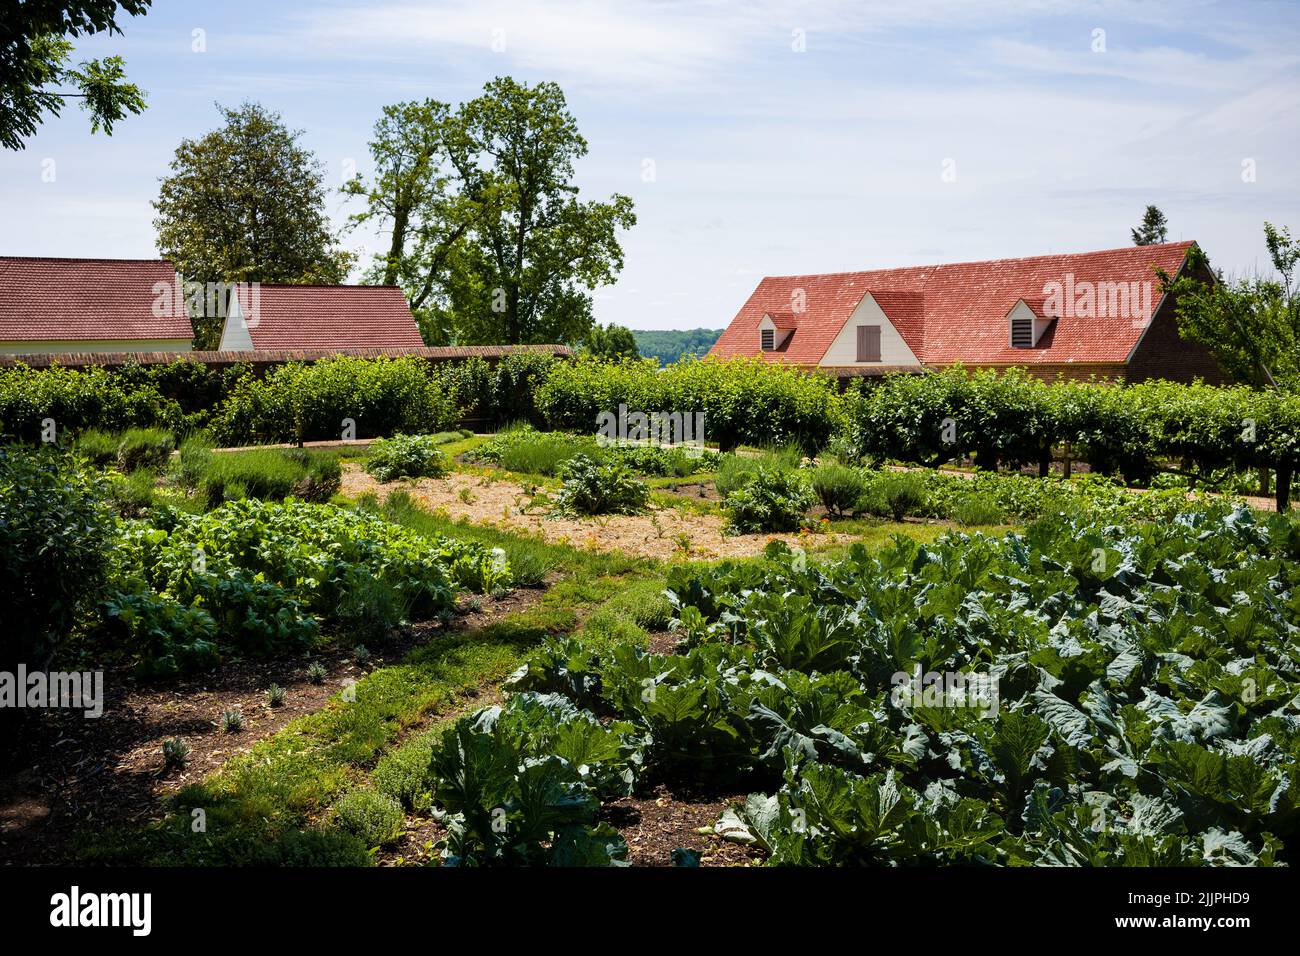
{"points": [[87, 300], [957, 312], [331, 317]]}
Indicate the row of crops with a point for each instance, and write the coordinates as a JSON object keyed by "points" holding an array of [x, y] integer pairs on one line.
{"points": [[1077, 694]]}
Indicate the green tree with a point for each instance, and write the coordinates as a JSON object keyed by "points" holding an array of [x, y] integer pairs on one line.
{"points": [[34, 58], [488, 236], [1252, 325], [1153, 229], [611, 343], [246, 203]]}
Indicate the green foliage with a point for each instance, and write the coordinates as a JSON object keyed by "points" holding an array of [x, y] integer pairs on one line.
{"points": [[76, 400], [162, 638], [55, 544], [521, 784], [131, 496], [595, 488], [770, 500], [744, 401], [1251, 324], [1137, 719], [246, 203], [975, 510], [895, 495], [669, 345], [373, 817], [298, 402], [734, 471], [176, 753], [272, 474], [1152, 230], [34, 64], [523, 449], [406, 456], [145, 448], [610, 343], [463, 190], [839, 488], [99, 448]]}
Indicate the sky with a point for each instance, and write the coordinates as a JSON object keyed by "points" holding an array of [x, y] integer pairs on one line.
{"points": [[756, 138]]}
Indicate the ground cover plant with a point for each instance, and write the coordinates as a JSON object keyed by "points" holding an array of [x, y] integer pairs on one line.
{"points": [[267, 473], [1136, 710], [407, 456]]}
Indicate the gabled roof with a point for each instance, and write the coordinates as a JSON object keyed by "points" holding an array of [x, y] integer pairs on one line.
{"points": [[330, 317], [44, 300], [957, 312], [783, 320]]}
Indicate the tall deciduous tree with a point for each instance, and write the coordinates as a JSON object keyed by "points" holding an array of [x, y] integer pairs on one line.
{"points": [[611, 342], [34, 62], [488, 235], [1152, 230], [1252, 325], [246, 203]]}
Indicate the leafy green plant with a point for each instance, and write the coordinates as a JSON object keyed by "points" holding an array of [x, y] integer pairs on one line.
{"points": [[975, 510], [373, 817], [316, 672], [734, 471], [406, 456], [839, 488], [895, 495], [55, 548], [176, 753], [275, 695], [769, 501], [232, 720], [593, 488], [162, 638]]}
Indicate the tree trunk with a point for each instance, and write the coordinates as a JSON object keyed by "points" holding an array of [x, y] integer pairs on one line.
{"points": [[1265, 482], [1284, 488], [1045, 463]]}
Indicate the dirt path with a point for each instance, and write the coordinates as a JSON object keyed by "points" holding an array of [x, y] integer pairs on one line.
{"points": [[502, 503]]}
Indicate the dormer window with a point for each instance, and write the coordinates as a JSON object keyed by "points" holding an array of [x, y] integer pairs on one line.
{"points": [[768, 339], [1022, 333], [1027, 323]]}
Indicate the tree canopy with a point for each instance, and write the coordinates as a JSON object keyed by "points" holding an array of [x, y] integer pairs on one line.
{"points": [[246, 203], [34, 59], [611, 343], [1152, 230], [1252, 325], [487, 234]]}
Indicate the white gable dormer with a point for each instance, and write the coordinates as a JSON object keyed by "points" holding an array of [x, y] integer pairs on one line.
{"points": [[773, 330], [235, 336], [1026, 323]]}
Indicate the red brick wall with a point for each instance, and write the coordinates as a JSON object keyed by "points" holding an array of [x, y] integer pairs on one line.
{"points": [[1162, 353]]}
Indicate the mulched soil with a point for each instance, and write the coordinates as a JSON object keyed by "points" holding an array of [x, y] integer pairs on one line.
{"points": [[66, 772], [656, 824]]}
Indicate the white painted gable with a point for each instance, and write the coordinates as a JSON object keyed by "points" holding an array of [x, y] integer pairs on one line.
{"points": [[893, 349]]}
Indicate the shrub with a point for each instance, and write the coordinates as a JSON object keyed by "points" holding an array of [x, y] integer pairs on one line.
{"points": [[194, 459], [145, 448], [99, 448], [744, 401], [500, 393], [895, 494], [55, 542], [977, 510], [75, 400], [403, 773], [838, 487], [770, 500], [161, 637], [734, 471], [406, 456], [275, 695], [522, 448], [232, 721], [298, 402], [373, 817], [316, 673], [270, 474], [593, 488]]}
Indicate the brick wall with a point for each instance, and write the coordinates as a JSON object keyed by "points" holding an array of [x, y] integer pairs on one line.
{"points": [[1162, 353]]}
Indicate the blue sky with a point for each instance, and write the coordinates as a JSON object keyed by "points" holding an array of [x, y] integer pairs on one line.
{"points": [[766, 158]]}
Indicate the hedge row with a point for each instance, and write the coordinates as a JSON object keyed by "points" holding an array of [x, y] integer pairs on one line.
{"points": [[1013, 419], [744, 401]]}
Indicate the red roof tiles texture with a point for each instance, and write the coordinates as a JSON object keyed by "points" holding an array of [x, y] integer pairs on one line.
{"points": [[331, 317], [43, 299], [957, 312]]}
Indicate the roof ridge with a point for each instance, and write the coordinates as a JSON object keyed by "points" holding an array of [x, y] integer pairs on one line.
{"points": [[1186, 243]]}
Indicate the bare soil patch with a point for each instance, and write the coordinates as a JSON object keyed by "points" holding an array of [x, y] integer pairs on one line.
{"points": [[501, 503], [66, 772]]}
